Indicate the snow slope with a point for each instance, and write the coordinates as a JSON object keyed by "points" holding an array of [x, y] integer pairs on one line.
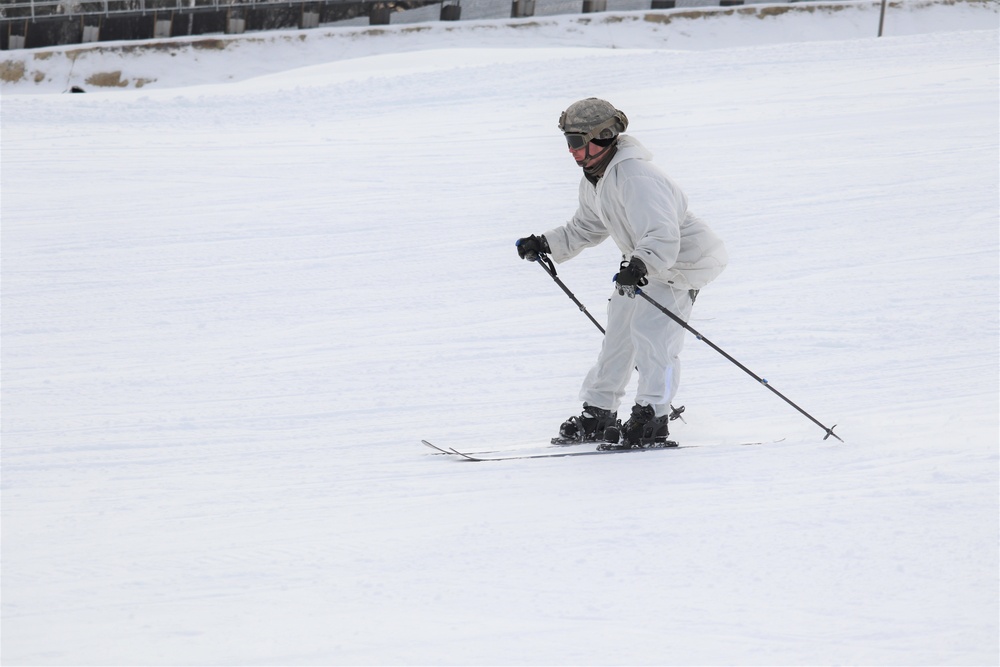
{"points": [[230, 312], [212, 59]]}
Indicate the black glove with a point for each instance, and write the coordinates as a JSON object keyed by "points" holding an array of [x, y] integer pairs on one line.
{"points": [[530, 247], [631, 275]]}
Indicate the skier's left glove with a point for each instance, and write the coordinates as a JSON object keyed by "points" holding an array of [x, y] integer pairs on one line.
{"points": [[631, 275]]}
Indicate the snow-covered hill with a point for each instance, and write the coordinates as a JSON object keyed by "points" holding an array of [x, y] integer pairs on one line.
{"points": [[210, 59], [230, 311]]}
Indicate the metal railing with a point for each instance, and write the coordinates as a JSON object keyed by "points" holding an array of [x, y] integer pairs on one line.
{"points": [[36, 9]]}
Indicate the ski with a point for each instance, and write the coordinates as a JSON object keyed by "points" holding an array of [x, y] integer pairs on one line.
{"points": [[438, 450], [558, 455], [479, 456], [435, 447]]}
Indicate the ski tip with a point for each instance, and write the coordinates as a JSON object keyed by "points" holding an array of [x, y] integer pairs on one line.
{"points": [[464, 456], [437, 449]]}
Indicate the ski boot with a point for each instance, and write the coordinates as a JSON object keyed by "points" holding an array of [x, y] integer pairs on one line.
{"points": [[643, 430], [588, 427]]}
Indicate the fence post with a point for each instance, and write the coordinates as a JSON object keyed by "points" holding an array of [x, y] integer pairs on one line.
{"points": [[522, 8], [235, 23], [310, 19], [162, 27], [379, 15], [451, 11]]}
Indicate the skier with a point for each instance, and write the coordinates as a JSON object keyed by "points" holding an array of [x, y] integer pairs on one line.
{"points": [[667, 252]]}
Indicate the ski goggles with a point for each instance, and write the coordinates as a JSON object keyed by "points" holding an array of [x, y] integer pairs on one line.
{"points": [[577, 140]]}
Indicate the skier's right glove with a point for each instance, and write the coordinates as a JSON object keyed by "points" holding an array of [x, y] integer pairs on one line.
{"points": [[531, 246]]}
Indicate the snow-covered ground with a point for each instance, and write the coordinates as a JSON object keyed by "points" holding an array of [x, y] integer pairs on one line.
{"points": [[213, 59], [230, 312]]}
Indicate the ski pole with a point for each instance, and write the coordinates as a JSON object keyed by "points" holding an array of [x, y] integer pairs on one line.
{"points": [[546, 263], [550, 268], [675, 318]]}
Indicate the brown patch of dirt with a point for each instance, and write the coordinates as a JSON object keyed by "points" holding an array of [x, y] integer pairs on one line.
{"points": [[108, 80], [667, 18], [11, 71], [214, 44]]}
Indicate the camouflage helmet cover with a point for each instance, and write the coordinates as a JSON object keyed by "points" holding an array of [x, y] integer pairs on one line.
{"points": [[595, 117]]}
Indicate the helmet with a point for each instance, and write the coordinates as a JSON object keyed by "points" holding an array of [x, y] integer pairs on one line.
{"points": [[594, 118]]}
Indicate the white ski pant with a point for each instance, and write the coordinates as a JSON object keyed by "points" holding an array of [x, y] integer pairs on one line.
{"points": [[641, 337]]}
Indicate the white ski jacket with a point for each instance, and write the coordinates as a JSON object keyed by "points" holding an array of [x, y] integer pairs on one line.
{"points": [[646, 213]]}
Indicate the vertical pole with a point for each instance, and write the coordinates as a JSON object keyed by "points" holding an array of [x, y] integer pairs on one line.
{"points": [[881, 18]]}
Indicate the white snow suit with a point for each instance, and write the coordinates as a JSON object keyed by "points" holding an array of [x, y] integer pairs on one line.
{"points": [[646, 214]]}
